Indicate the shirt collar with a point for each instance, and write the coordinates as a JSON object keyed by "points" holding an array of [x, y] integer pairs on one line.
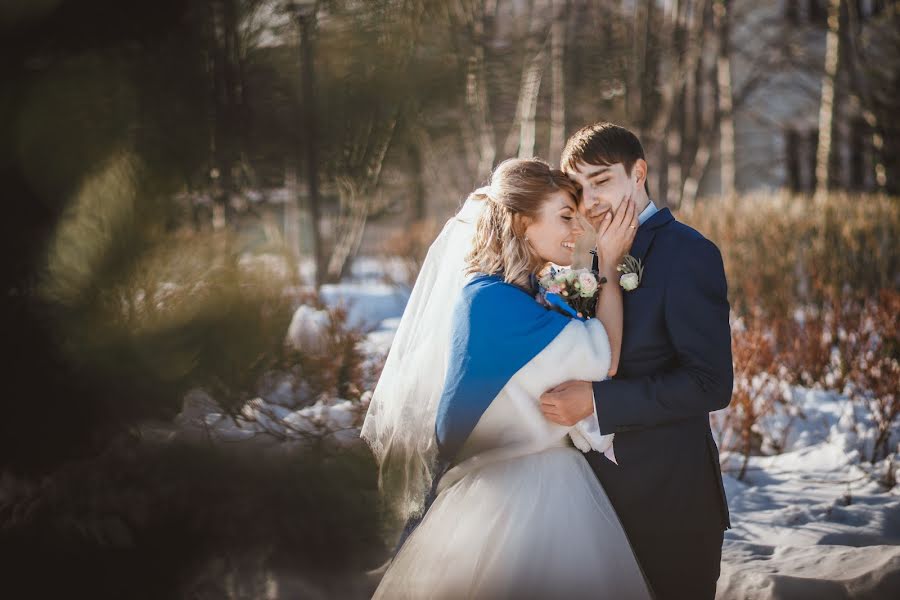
{"points": [[647, 213]]}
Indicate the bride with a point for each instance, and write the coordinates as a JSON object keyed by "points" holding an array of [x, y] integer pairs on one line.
{"points": [[498, 502]]}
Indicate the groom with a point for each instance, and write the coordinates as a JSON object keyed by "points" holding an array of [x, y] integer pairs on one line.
{"points": [[675, 369]]}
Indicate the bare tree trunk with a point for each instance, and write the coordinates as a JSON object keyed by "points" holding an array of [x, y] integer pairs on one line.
{"points": [[292, 213], [633, 81], [558, 85], [826, 106], [354, 212], [861, 83], [221, 180], [416, 153], [477, 100], [792, 162], [528, 98], [520, 140], [354, 190], [702, 108], [696, 173], [697, 168], [674, 147], [307, 20], [363, 153], [676, 127], [637, 98], [231, 105], [726, 113], [679, 65]]}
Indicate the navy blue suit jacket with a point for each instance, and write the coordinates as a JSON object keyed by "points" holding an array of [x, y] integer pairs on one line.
{"points": [[675, 368]]}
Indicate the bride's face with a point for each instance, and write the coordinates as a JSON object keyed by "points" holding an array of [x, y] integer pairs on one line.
{"points": [[553, 234]]}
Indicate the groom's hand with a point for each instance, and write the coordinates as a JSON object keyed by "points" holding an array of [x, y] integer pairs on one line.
{"points": [[568, 403]]}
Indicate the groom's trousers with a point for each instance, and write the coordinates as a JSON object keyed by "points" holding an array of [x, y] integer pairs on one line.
{"points": [[666, 492], [683, 566]]}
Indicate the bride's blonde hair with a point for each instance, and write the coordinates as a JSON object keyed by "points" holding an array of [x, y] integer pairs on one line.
{"points": [[517, 190]]}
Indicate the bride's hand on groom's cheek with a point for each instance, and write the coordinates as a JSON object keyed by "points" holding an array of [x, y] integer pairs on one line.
{"points": [[568, 403], [616, 234]]}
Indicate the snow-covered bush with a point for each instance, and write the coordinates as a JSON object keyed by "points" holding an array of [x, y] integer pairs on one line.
{"points": [[757, 393], [869, 346], [849, 348]]}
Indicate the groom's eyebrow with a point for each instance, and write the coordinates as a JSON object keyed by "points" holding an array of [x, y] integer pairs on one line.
{"points": [[596, 172]]}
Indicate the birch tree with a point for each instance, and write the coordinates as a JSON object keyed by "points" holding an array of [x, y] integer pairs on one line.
{"points": [[520, 139], [369, 98], [558, 83], [306, 17], [827, 103], [478, 134], [725, 100]]}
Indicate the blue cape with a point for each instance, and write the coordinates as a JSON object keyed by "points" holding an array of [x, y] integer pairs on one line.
{"points": [[497, 329]]}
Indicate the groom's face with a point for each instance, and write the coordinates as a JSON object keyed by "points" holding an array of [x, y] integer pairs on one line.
{"points": [[604, 187]]}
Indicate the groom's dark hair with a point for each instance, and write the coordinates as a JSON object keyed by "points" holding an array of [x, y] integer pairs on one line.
{"points": [[604, 144]]}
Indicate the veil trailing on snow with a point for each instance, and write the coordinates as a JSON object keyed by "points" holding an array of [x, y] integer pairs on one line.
{"points": [[400, 423]]}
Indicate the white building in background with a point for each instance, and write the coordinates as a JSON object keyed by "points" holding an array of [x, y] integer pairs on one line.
{"points": [[778, 47]]}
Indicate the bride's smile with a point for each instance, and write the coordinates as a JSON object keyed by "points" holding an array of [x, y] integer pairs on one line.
{"points": [[556, 230]]}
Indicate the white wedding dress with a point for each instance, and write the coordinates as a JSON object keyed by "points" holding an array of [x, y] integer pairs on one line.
{"points": [[522, 515]]}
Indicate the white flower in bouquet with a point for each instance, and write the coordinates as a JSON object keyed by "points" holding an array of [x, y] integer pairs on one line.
{"points": [[587, 284]]}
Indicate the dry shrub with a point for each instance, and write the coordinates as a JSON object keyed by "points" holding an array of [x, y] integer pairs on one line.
{"points": [[782, 251], [806, 350], [336, 367], [870, 351], [756, 390]]}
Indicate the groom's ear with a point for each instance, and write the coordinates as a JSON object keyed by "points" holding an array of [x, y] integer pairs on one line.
{"points": [[639, 172]]}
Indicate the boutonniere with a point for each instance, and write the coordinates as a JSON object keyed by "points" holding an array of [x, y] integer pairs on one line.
{"points": [[632, 272]]}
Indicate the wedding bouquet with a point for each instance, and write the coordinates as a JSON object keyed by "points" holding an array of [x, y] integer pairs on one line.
{"points": [[572, 292]]}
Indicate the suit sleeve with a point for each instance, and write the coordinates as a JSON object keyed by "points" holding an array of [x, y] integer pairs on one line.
{"points": [[696, 317]]}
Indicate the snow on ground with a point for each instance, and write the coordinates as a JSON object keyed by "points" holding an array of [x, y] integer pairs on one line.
{"points": [[371, 294], [334, 420], [813, 522], [368, 303]]}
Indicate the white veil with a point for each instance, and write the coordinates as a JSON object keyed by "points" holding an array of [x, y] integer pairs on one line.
{"points": [[399, 425]]}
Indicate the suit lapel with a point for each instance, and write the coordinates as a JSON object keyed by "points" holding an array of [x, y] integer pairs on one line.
{"points": [[647, 231], [644, 237]]}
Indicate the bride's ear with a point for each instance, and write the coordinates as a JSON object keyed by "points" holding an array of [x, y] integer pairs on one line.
{"points": [[522, 226]]}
